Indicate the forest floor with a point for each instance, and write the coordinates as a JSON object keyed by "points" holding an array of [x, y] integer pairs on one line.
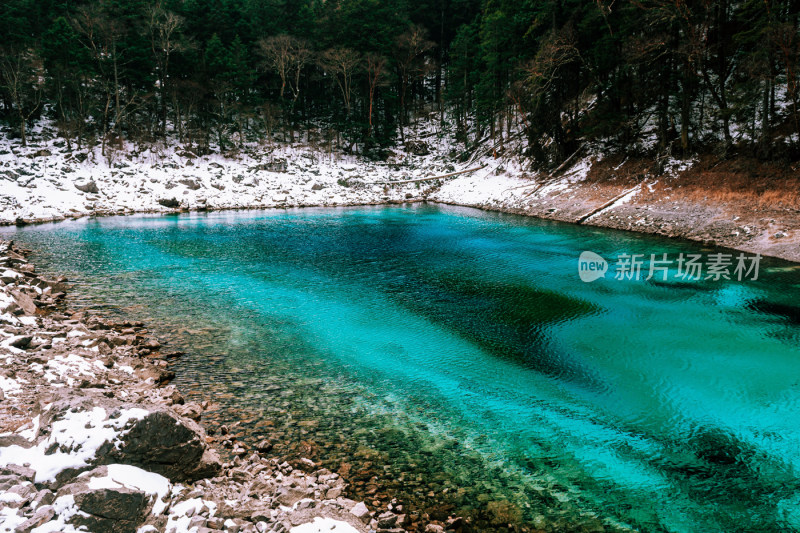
{"points": [[738, 203]]}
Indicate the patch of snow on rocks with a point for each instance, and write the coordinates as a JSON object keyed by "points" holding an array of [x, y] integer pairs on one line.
{"points": [[324, 525], [75, 446]]}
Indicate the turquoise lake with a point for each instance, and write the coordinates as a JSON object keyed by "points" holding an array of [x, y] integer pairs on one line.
{"points": [[455, 357]]}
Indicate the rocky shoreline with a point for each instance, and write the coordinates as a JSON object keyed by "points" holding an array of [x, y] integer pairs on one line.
{"points": [[737, 203], [93, 437]]}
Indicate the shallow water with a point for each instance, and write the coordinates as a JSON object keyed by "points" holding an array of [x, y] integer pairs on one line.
{"points": [[461, 348]]}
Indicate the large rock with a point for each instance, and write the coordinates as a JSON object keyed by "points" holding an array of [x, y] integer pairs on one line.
{"points": [[25, 302], [20, 341], [88, 187], [162, 442], [114, 498], [10, 276], [170, 203], [417, 147], [155, 439]]}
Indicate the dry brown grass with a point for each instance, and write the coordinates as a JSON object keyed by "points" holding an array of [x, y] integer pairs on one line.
{"points": [[11, 425], [619, 170], [741, 182]]}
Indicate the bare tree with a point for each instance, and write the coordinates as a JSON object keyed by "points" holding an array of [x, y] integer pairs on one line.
{"points": [[543, 71], [342, 63], [101, 35], [784, 37], [376, 68], [287, 56], [411, 47], [185, 95], [22, 78], [163, 26], [544, 75]]}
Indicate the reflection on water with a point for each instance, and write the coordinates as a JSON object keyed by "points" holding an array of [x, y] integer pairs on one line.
{"points": [[452, 359]]}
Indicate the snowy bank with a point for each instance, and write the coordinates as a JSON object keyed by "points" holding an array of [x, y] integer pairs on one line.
{"points": [[47, 182]]}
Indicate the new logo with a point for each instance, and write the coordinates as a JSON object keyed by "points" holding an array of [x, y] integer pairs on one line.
{"points": [[591, 266]]}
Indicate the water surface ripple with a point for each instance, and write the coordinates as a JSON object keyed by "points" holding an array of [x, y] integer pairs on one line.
{"points": [[453, 359]]}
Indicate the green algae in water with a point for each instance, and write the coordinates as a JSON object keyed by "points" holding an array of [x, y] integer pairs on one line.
{"points": [[446, 350]]}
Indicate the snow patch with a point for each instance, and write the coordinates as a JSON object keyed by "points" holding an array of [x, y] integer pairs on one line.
{"points": [[135, 478], [320, 525], [76, 437]]}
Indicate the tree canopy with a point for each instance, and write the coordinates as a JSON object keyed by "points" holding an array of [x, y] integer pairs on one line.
{"points": [[651, 76]]}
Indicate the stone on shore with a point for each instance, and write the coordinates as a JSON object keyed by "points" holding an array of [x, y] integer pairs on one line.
{"points": [[89, 187], [170, 203], [114, 498], [173, 447], [360, 511], [41, 516]]}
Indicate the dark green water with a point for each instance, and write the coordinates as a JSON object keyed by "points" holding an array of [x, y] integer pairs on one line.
{"points": [[455, 357]]}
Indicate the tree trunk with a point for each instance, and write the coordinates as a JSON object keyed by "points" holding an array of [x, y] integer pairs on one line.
{"points": [[22, 129], [686, 105], [116, 85]]}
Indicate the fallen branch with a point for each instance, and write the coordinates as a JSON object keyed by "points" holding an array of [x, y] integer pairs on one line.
{"points": [[426, 179], [606, 205], [552, 177], [567, 160]]}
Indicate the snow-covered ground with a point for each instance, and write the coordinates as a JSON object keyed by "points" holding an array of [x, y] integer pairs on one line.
{"points": [[60, 186], [45, 181]]}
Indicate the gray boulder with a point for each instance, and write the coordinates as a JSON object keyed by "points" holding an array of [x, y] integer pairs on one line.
{"points": [[190, 184], [163, 443], [417, 147], [107, 509], [170, 203], [88, 187]]}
